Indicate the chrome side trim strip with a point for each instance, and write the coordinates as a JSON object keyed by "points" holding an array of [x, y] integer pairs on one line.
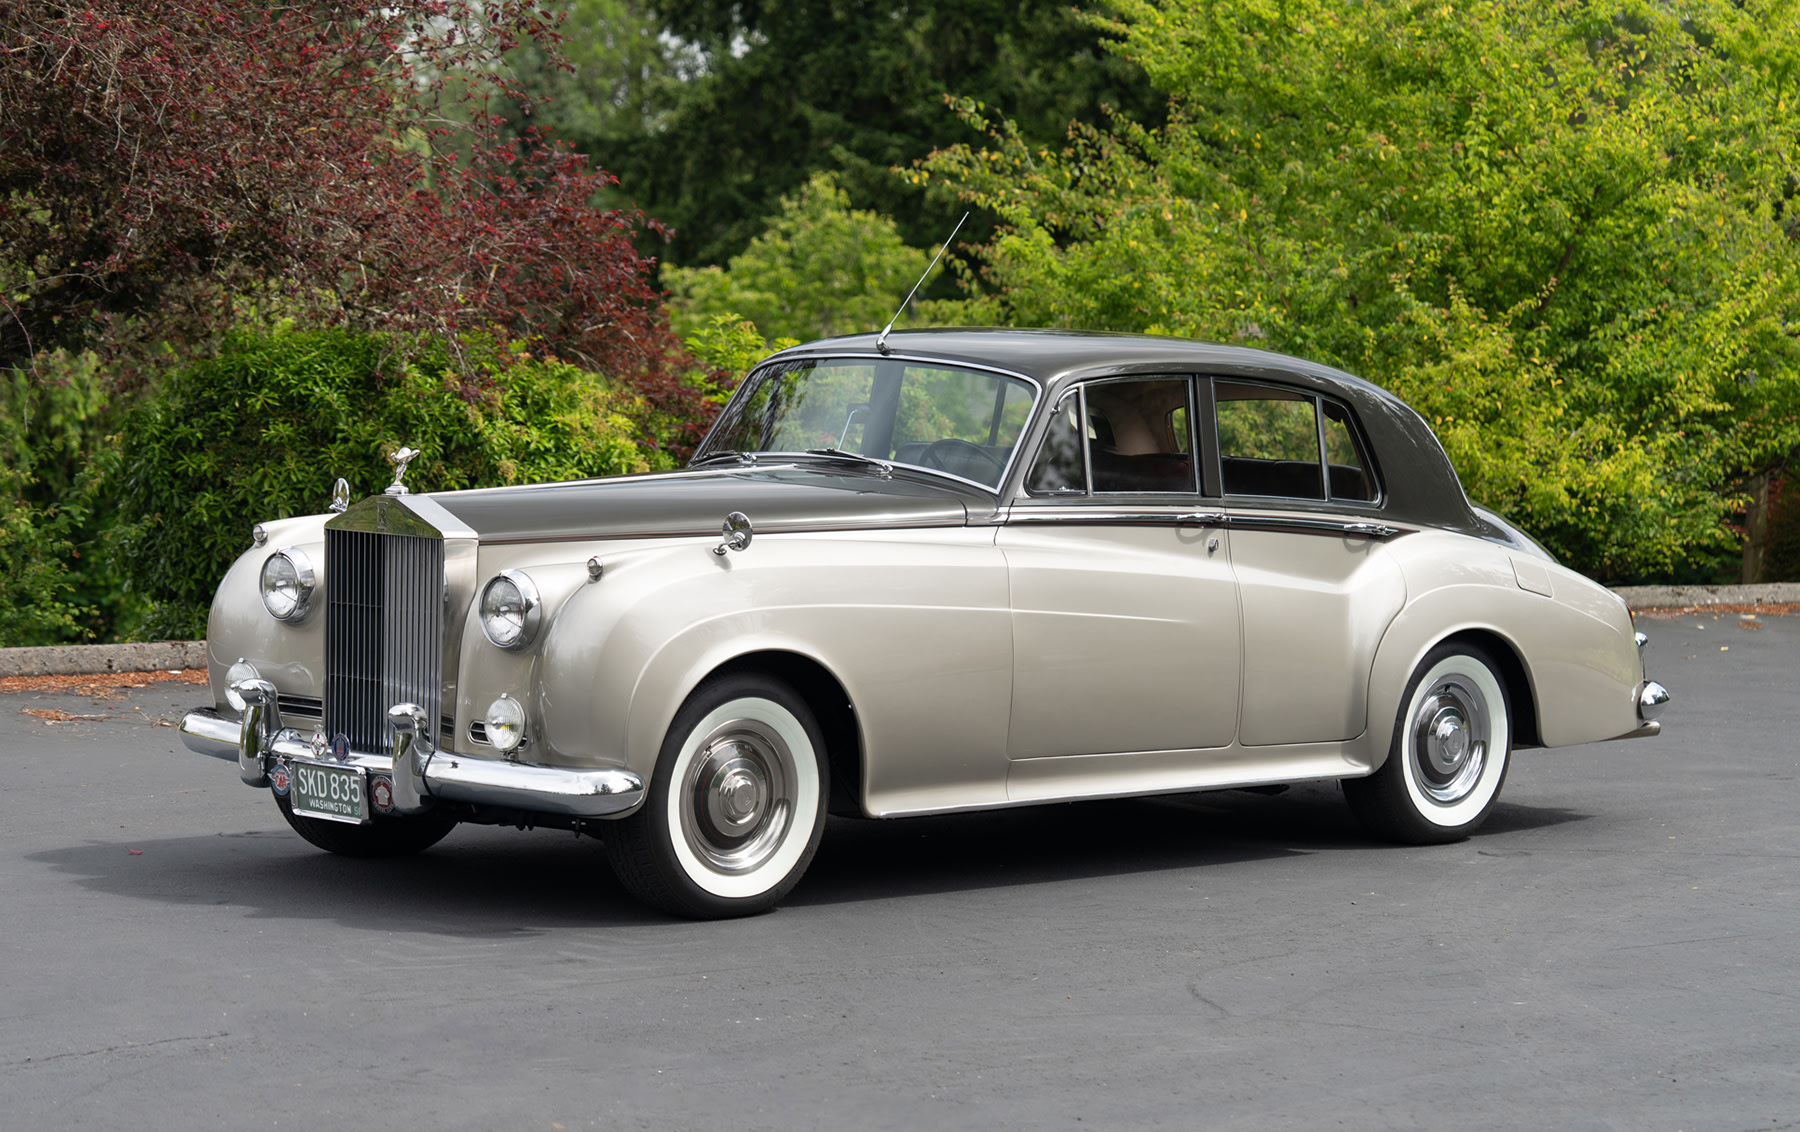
{"points": [[1117, 517], [772, 528], [1304, 524], [1299, 524]]}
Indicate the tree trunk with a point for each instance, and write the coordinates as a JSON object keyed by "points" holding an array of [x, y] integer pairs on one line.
{"points": [[1756, 527]]}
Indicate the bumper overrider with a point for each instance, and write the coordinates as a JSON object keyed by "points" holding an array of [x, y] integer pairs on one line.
{"points": [[419, 775]]}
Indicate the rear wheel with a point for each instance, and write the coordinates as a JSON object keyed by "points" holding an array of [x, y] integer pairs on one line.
{"points": [[1449, 755], [736, 805], [382, 837]]}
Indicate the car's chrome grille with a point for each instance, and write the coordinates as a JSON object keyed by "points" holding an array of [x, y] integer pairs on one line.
{"points": [[384, 631]]}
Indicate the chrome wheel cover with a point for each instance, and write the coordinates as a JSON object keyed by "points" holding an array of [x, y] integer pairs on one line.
{"points": [[1451, 734], [737, 797]]}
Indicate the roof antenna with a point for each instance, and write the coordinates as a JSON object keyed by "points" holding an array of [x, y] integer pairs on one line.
{"points": [[881, 342]]}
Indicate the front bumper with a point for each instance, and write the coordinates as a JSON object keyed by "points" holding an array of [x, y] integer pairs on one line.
{"points": [[420, 775]]}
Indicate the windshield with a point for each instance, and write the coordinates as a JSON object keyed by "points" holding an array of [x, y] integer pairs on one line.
{"points": [[946, 418]]}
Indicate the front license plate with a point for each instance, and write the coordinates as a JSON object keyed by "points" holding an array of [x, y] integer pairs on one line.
{"points": [[335, 793]]}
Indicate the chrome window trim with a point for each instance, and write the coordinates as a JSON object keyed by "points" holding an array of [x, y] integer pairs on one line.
{"points": [[1031, 413]]}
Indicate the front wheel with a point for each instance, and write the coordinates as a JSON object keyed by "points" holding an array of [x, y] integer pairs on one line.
{"points": [[736, 805], [1448, 758]]}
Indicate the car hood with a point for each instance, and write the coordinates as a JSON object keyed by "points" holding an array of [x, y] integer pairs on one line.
{"points": [[776, 499]]}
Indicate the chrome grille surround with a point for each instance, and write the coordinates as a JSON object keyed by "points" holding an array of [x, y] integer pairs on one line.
{"points": [[384, 631], [396, 589]]}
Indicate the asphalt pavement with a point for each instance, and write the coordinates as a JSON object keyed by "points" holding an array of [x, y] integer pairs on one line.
{"points": [[1616, 950]]}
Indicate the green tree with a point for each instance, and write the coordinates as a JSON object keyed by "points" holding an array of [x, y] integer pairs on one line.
{"points": [[737, 104], [264, 428], [1559, 228], [820, 268]]}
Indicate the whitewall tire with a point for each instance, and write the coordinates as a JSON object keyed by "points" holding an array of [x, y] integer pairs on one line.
{"points": [[1449, 755], [736, 805]]}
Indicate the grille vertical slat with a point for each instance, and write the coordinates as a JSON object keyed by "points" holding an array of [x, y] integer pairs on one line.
{"points": [[383, 631]]}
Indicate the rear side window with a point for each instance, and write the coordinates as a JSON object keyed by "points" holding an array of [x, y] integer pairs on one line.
{"points": [[1288, 443]]}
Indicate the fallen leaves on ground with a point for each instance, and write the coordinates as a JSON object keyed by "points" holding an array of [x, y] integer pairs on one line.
{"points": [[100, 685], [1772, 609], [54, 715]]}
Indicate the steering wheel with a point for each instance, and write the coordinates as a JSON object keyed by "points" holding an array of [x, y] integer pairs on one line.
{"points": [[938, 455]]}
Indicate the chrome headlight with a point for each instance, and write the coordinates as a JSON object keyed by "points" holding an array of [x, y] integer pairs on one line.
{"points": [[510, 610], [242, 670], [505, 723], [287, 584]]}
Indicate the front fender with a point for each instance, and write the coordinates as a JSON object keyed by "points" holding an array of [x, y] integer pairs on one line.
{"points": [[915, 627], [292, 655]]}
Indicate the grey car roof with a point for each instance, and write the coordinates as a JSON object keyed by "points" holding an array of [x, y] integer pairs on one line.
{"points": [[1420, 484]]}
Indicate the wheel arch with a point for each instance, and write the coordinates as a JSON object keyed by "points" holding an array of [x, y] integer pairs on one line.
{"points": [[1441, 618], [1521, 695], [831, 706]]}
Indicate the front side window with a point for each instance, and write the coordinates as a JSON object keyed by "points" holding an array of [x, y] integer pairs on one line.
{"points": [[1119, 436], [964, 422]]}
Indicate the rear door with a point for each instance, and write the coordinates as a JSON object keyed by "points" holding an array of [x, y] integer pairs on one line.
{"points": [[1316, 585]]}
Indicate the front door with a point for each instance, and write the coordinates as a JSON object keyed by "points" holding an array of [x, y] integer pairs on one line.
{"points": [[1124, 606]]}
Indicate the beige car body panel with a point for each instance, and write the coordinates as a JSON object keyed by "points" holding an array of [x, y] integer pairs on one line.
{"points": [[920, 628], [1576, 648], [239, 628], [1127, 638], [1315, 607], [913, 623]]}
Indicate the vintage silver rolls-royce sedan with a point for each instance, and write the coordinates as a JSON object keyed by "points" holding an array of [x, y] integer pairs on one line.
{"points": [[932, 571]]}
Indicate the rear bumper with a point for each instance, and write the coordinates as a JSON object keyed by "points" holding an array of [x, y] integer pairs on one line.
{"points": [[421, 776]]}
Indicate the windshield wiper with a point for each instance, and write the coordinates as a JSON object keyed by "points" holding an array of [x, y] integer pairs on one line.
{"points": [[881, 466], [740, 457]]}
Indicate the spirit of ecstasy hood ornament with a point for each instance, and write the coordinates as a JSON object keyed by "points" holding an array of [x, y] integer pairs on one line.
{"points": [[401, 458]]}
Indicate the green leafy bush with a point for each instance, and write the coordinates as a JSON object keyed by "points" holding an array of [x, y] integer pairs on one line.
{"points": [[56, 585], [263, 429]]}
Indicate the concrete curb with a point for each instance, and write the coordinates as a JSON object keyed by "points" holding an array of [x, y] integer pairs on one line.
{"points": [[87, 660], [1687, 597]]}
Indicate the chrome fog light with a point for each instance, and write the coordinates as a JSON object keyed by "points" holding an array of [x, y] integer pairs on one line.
{"points": [[287, 584], [510, 610], [506, 723], [242, 670]]}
